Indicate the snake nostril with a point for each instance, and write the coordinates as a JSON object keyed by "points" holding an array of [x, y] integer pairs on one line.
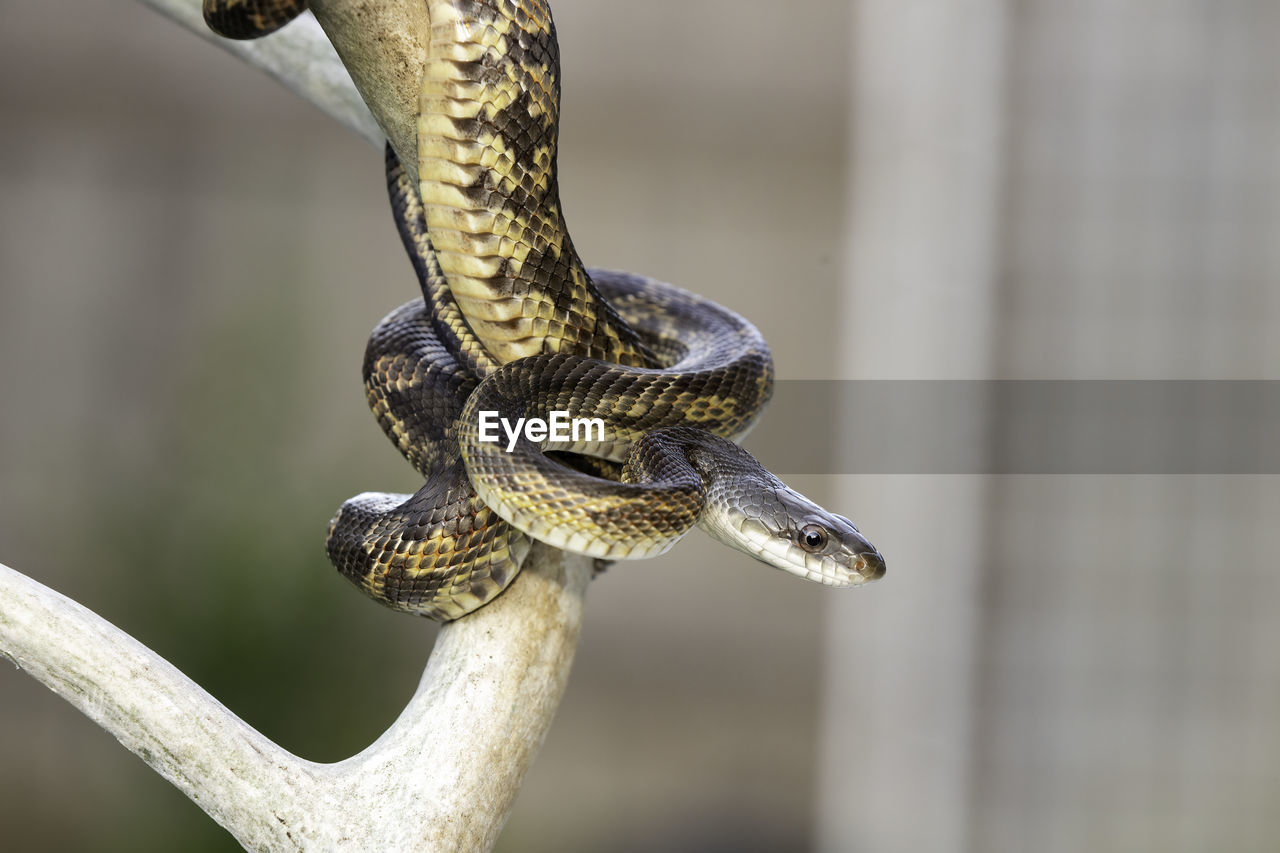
{"points": [[870, 566]]}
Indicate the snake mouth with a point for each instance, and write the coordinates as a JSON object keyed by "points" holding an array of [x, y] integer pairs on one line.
{"points": [[861, 568], [847, 570]]}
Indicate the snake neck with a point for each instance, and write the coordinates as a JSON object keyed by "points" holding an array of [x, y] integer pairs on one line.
{"points": [[446, 320], [749, 509], [733, 481], [487, 141]]}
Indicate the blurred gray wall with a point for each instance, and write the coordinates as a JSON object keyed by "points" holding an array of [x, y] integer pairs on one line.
{"points": [[1048, 190]]}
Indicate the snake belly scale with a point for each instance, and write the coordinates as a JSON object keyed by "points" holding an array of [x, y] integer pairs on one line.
{"points": [[512, 322]]}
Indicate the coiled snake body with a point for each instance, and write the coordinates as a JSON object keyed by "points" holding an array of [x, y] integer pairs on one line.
{"points": [[511, 323]]}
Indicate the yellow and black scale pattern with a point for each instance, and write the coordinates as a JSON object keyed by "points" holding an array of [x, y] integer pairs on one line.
{"points": [[443, 551], [249, 19], [511, 321], [487, 136]]}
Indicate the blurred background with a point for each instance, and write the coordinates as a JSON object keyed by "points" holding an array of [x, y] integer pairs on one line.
{"points": [[191, 260]]}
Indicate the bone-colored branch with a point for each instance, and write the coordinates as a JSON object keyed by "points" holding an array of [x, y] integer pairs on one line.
{"points": [[445, 775], [300, 57], [383, 46], [152, 709]]}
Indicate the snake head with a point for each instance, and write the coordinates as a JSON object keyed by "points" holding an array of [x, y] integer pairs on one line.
{"points": [[833, 537], [796, 535], [751, 510]]}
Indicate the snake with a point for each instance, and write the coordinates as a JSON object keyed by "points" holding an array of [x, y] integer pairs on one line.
{"points": [[512, 328]]}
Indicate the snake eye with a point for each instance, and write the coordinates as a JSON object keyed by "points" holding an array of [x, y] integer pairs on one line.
{"points": [[812, 538]]}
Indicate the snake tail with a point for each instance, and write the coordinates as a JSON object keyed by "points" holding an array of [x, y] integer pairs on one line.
{"points": [[250, 19]]}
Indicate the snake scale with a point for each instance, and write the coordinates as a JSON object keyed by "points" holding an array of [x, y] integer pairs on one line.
{"points": [[512, 324]]}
